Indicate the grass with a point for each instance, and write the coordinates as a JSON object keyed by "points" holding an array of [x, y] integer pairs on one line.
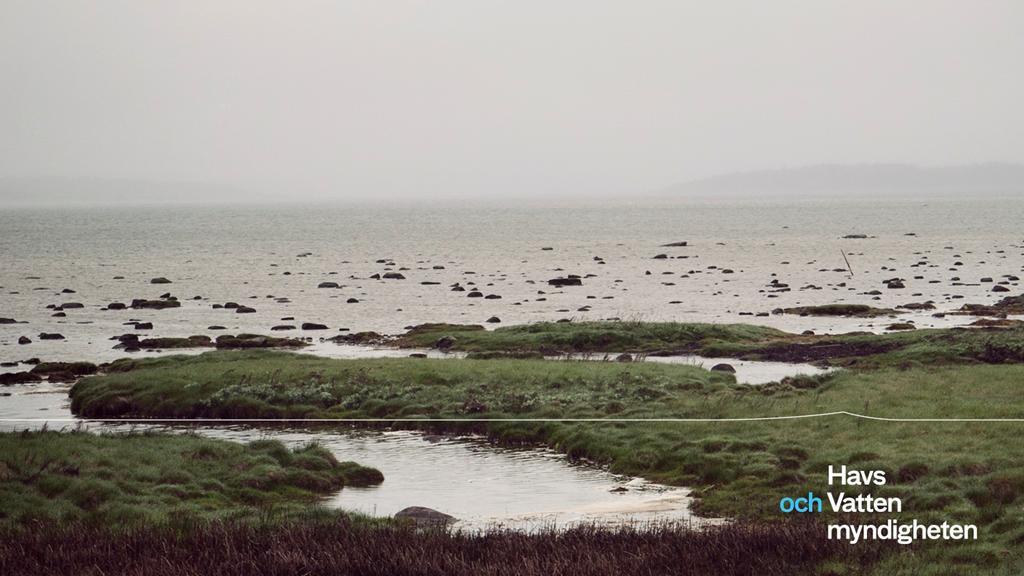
{"points": [[864, 350], [956, 472], [917, 348], [576, 337], [261, 384], [150, 478], [339, 546]]}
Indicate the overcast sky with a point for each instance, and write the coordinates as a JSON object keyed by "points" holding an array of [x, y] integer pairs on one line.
{"points": [[386, 98]]}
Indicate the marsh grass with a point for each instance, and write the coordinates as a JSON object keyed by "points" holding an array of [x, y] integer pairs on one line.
{"points": [[862, 350], [126, 479], [957, 472], [341, 546], [552, 338]]}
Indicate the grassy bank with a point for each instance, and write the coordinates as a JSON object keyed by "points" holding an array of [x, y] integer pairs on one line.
{"points": [[580, 337], [341, 547], [923, 347], [157, 478], [956, 472]]}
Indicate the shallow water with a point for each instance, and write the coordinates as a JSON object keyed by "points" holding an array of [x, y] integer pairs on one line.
{"points": [[747, 371], [482, 485], [246, 255]]}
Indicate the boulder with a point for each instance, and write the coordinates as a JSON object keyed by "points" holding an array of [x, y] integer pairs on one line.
{"points": [[425, 517], [570, 281], [901, 326], [73, 368], [18, 378], [328, 285], [393, 276], [160, 280], [624, 358], [444, 343], [51, 336], [244, 310], [493, 320], [24, 340], [143, 304], [723, 368], [313, 326]]}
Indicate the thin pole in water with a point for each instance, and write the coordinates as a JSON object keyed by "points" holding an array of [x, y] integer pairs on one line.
{"points": [[848, 267]]}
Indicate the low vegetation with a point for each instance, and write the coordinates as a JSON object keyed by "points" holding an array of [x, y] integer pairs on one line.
{"points": [[991, 345], [339, 546], [146, 478], [956, 472], [555, 338]]}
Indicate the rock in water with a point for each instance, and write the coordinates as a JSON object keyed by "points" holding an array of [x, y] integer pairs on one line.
{"points": [[143, 304], [425, 517], [444, 343], [901, 326], [160, 280], [723, 368]]}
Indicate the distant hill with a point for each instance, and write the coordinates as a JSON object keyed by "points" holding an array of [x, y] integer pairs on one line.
{"points": [[871, 180]]}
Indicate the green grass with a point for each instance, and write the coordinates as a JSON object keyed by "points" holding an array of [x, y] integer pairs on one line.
{"points": [[262, 384], [917, 348], [572, 337], [864, 350], [127, 479], [956, 472]]}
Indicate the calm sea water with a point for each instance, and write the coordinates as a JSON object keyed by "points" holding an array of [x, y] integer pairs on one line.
{"points": [[251, 255]]}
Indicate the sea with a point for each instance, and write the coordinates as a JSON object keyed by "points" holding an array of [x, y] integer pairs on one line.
{"points": [[742, 261]]}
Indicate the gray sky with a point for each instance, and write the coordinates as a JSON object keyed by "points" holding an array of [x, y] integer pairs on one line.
{"points": [[476, 97]]}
